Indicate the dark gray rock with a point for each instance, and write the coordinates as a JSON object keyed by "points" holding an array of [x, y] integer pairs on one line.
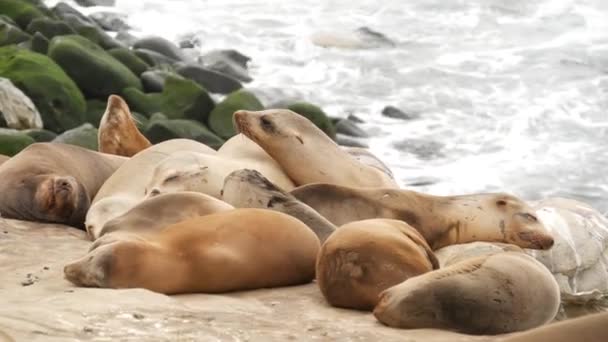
{"points": [[354, 118], [62, 10], [343, 140], [396, 113], [39, 43], [154, 80], [154, 58], [89, 3], [421, 148], [49, 27], [126, 38], [350, 128], [91, 31], [189, 41], [374, 38], [229, 63], [110, 21], [211, 80], [160, 45]]}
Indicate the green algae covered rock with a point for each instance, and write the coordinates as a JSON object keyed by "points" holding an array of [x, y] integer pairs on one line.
{"points": [[220, 119], [316, 115], [161, 130], [56, 96], [95, 71], [40, 135], [10, 33], [83, 136], [13, 141], [130, 60], [22, 12], [49, 27]]}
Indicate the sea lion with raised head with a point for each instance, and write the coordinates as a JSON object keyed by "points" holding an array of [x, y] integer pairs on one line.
{"points": [[127, 186], [442, 220], [118, 133], [53, 182], [363, 258], [250, 189], [234, 250], [490, 294], [306, 153]]}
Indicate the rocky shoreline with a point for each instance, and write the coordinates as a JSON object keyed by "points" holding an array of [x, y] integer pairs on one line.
{"points": [[58, 67]]}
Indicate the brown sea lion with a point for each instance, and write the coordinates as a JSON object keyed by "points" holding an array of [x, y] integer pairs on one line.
{"points": [[250, 189], [53, 182], [490, 294], [306, 153], [234, 250], [118, 133], [363, 258], [3, 158], [442, 220]]}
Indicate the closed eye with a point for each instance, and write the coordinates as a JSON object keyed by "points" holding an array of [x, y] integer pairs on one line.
{"points": [[171, 178], [266, 123]]}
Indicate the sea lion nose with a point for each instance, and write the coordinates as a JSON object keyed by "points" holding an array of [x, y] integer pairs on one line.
{"points": [[547, 243]]}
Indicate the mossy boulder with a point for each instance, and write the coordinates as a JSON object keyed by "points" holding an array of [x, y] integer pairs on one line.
{"points": [[56, 96], [220, 119], [160, 45], [11, 34], [20, 11], [83, 136], [316, 115], [95, 110], [161, 130], [39, 43], [13, 141], [40, 135], [49, 27], [95, 71], [154, 58], [130, 60], [180, 99]]}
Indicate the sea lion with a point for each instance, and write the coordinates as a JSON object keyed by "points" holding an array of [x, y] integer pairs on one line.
{"points": [[3, 158], [205, 173], [127, 186], [590, 328], [250, 189], [306, 153], [53, 182], [228, 251], [442, 220], [363, 258], [241, 148], [364, 156], [491, 294], [118, 133], [160, 211]]}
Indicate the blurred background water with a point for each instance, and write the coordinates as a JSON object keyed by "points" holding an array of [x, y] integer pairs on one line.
{"points": [[508, 95]]}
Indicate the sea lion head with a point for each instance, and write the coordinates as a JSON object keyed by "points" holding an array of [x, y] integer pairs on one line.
{"points": [[276, 129], [518, 222], [181, 171], [104, 210], [249, 188]]}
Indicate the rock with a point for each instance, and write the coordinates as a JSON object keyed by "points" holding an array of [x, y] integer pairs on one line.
{"points": [[92, 32], [20, 11], [154, 58], [96, 72], [83, 136], [154, 80], [18, 111], [126, 38], [13, 141], [180, 99], [229, 63], [55, 95], [130, 60], [89, 3], [95, 110], [110, 21], [41, 135], [213, 81], [11, 34], [42, 7], [49, 27], [396, 113], [220, 119], [161, 130], [160, 45], [344, 140], [39, 43], [316, 115], [361, 38], [63, 11], [157, 117], [347, 127]]}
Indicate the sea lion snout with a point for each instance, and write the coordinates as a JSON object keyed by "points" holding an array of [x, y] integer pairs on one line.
{"points": [[64, 184], [537, 239]]}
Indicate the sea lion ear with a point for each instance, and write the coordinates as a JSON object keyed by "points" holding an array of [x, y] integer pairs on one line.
{"points": [[299, 139]]}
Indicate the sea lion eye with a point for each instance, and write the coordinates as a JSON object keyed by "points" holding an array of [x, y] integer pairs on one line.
{"points": [[266, 123], [171, 178], [501, 203], [530, 217]]}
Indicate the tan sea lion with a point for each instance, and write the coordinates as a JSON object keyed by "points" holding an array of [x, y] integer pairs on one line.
{"points": [[118, 133], [491, 294], [53, 182], [364, 156], [3, 158], [205, 173], [127, 186], [590, 328], [306, 153], [442, 220], [163, 210], [250, 189], [363, 258], [234, 250]]}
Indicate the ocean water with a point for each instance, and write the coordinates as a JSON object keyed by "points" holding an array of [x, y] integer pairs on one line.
{"points": [[508, 95]]}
